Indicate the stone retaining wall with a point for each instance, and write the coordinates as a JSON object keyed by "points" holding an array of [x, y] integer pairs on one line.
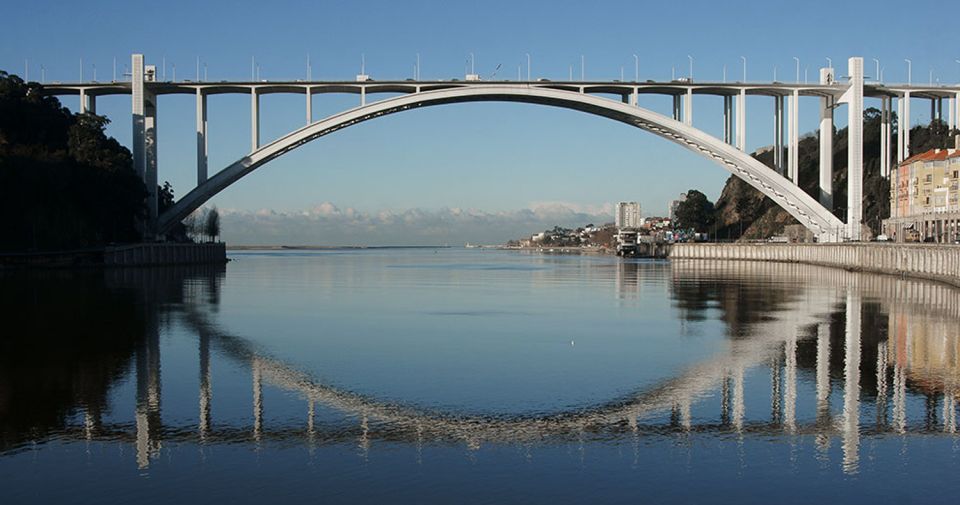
{"points": [[164, 254], [928, 261]]}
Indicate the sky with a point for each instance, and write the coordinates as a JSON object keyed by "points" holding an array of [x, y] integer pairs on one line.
{"points": [[486, 171]]}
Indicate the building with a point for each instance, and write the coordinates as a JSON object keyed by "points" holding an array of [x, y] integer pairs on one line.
{"points": [[924, 198], [675, 204], [628, 215]]}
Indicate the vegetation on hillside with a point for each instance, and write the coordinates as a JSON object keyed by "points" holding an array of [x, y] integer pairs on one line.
{"points": [[743, 212], [63, 183]]}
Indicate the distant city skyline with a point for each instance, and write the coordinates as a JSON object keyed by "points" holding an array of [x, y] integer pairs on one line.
{"points": [[496, 158]]}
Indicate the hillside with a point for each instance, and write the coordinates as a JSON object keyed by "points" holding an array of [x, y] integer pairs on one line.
{"points": [[742, 212]]}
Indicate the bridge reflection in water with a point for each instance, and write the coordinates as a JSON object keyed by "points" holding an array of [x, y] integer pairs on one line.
{"points": [[803, 323]]}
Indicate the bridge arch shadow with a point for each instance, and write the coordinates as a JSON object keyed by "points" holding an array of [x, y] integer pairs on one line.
{"points": [[781, 190]]}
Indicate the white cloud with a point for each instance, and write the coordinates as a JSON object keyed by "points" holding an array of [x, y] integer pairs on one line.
{"points": [[327, 224]]}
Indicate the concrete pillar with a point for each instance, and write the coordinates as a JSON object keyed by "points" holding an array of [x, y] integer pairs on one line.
{"points": [[363, 95], [905, 125], [826, 143], [851, 388], [201, 137], [634, 97], [778, 134], [688, 107], [793, 160], [150, 160], [676, 107], [855, 148], [92, 104], [309, 105], [254, 120], [742, 120], [885, 135], [137, 90], [83, 101], [728, 119], [900, 123]]}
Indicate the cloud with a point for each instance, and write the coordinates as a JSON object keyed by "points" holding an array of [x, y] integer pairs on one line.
{"points": [[328, 224]]}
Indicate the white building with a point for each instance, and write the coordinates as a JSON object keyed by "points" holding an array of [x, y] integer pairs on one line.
{"points": [[628, 215]]}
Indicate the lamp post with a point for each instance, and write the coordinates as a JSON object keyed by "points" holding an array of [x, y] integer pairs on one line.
{"points": [[691, 66], [798, 68], [877, 77], [528, 67], [744, 58], [909, 72], [636, 68]]}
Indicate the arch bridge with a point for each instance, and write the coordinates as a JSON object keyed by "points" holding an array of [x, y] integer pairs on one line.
{"points": [[781, 183]]}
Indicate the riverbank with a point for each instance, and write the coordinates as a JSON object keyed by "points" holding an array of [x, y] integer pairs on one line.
{"points": [[923, 261], [144, 254]]}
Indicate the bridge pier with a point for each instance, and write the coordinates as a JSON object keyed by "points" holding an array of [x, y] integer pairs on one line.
{"points": [[688, 107], [742, 120], [903, 122], [145, 139], [728, 119], [309, 105], [887, 122], [676, 107], [778, 164], [854, 100], [793, 135], [254, 120], [201, 137], [826, 143]]}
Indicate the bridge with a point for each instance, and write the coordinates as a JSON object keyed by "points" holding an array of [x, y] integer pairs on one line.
{"points": [[613, 100]]}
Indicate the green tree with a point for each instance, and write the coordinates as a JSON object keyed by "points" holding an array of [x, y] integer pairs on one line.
{"points": [[695, 213]]}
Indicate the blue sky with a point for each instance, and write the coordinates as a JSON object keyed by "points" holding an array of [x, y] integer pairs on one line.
{"points": [[488, 158]]}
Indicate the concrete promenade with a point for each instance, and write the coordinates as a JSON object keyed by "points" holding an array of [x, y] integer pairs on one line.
{"points": [[926, 261]]}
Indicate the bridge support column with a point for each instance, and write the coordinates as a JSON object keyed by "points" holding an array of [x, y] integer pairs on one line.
{"points": [[778, 135], [855, 148], [254, 119], [793, 134], [826, 143], [954, 116], [201, 137], [904, 121], [144, 105], [688, 107], [83, 101], [634, 97], [885, 136], [728, 119], [363, 95], [742, 120], [676, 107], [92, 104], [309, 105]]}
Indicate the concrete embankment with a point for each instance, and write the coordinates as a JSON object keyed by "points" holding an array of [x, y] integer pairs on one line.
{"points": [[146, 254], [927, 261], [164, 254]]}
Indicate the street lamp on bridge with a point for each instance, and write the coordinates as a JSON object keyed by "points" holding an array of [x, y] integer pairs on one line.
{"points": [[691, 66], [909, 71], [796, 59], [636, 68], [744, 58]]}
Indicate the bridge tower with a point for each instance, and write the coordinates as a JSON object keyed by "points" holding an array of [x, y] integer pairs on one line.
{"points": [[854, 99], [145, 137]]}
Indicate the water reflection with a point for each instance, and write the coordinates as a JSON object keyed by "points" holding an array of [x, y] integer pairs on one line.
{"points": [[878, 343]]}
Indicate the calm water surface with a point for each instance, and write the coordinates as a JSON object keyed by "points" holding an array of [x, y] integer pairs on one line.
{"points": [[469, 376]]}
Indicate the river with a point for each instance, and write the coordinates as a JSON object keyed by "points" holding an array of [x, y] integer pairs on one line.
{"points": [[477, 376]]}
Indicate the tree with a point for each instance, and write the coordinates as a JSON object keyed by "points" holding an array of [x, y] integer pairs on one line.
{"points": [[696, 212], [211, 227]]}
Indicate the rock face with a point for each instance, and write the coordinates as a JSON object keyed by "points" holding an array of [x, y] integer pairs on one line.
{"points": [[744, 213]]}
